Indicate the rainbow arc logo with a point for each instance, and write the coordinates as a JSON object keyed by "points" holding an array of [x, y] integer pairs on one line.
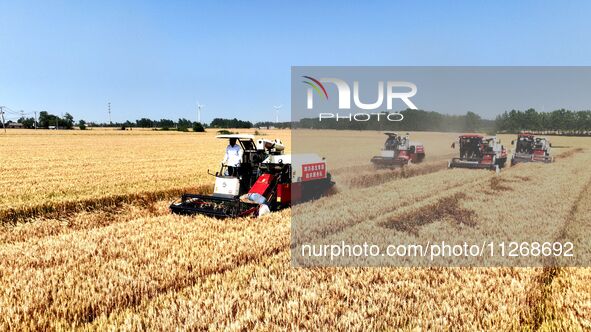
{"points": [[316, 85]]}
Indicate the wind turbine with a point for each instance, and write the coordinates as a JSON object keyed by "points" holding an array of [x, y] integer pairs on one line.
{"points": [[199, 106], [277, 108]]}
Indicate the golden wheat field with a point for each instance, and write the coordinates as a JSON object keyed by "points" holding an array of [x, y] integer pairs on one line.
{"points": [[87, 241]]}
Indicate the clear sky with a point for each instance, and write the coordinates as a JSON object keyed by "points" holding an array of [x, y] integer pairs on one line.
{"points": [[157, 59]]}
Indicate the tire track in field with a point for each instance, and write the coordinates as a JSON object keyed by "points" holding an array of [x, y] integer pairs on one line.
{"points": [[41, 227], [380, 176], [489, 184], [369, 166], [569, 153], [13, 216], [364, 176], [325, 230]]}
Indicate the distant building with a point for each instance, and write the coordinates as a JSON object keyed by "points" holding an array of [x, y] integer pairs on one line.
{"points": [[14, 125]]}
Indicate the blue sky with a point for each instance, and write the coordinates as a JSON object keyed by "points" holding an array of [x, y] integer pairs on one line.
{"points": [[157, 59]]}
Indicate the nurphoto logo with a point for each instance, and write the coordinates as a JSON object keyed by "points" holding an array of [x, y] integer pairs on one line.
{"points": [[392, 92]]}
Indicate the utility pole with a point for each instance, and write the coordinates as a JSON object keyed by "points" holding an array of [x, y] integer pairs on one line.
{"points": [[277, 108], [35, 120], [22, 116], [2, 113], [109, 107]]}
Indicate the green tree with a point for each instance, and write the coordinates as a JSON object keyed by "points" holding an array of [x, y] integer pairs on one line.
{"points": [[472, 122], [165, 123], [230, 123], [67, 121], [531, 120], [27, 122], [198, 127], [144, 123]]}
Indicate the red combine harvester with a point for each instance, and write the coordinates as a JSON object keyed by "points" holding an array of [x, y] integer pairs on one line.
{"points": [[399, 151], [477, 151], [263, 183], [529, 148]]}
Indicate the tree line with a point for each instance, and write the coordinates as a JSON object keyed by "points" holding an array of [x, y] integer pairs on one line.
{"points": [[413, 120], [269, 124], [166, 124], [230, 123], [558, 121], [47, 120]]}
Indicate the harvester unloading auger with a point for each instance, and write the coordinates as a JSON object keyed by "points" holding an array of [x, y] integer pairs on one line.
{"points": [[477, 151], [399, 151], [266, 181], [529, 148]]}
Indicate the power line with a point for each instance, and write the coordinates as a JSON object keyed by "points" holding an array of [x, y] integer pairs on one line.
{"points": [[10, 111]]}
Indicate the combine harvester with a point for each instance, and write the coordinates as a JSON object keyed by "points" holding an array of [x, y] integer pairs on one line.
{"points": [[477, 151], [399, 151], [266, 181], [529, 148]]}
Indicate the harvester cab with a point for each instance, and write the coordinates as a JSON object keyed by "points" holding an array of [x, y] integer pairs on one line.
{"points": [[529, 148], [236, 184], [477, 151], [399, 151]]}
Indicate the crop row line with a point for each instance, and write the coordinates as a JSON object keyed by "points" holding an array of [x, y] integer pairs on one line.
{"points": [[13, 216]]}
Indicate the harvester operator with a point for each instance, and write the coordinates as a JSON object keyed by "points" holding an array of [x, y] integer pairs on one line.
{"points": [[233, 157]]}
